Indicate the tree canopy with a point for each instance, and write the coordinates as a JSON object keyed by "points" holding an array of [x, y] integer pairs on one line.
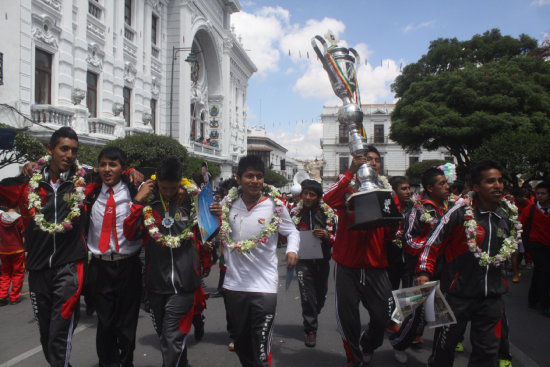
{"points": [[25, 149], [464, 92], [415, 171], [147, 150], [273, 178]]}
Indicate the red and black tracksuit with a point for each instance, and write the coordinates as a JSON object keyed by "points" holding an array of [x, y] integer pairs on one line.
{"points": [[55, 262], [474, 292], [360, 276], [12, 255], [312, 274], [172, 277], [415, 234], [538, 245]]}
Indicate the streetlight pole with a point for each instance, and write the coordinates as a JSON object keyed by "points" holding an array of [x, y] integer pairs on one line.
{"points": [[175, 51]]}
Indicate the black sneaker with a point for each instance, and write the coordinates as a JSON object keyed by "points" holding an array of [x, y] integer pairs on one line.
{"points": [[311, 339], [198, 323], [3, 301]]}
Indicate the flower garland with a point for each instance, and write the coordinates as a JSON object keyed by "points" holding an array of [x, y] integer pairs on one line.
{"points": [[271, 228], [75, 201], [169, 240], [509, 245], [327, 210]]}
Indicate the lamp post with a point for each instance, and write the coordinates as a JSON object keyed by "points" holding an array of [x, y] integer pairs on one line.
{"points": [[191, 57]]}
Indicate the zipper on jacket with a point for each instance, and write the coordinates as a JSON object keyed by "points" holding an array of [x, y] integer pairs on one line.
{"points": [[488, 251], [172, 262], [55, 222]]}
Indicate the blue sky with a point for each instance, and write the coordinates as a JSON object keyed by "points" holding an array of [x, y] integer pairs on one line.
{"points": [[287, 93]]}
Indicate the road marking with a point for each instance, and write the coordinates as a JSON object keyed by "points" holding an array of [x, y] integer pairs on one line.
{"points": [[35, 350]]}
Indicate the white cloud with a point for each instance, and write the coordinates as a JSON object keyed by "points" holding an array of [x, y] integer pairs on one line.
{"points": [[303, 142], [414, 27], [260, 35], [540, 2]]}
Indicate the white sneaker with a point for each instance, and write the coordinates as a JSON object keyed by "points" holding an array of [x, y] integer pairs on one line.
{"points": [[367, 357], [400, 356]]}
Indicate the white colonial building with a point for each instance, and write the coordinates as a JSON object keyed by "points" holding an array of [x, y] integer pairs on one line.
{"points": [[377, 122], [114, 68]]}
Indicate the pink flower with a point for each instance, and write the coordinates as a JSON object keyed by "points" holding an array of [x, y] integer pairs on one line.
{"points": [[81, 172], [264, 239], [157, 236], [67, 226], [31, 189], [41, 161]]}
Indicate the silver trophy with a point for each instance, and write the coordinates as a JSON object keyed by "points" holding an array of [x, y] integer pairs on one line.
{"points": [[373, 204]]}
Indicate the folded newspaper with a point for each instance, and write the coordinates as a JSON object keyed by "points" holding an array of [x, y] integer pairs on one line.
{"points": [[437, 312]]}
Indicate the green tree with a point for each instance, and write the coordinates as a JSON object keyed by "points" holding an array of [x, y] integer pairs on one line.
{"points": [[462, 93], [526, 155], [146, 150], [414, 172], [25, 149], [273, 178], [87, 154]]}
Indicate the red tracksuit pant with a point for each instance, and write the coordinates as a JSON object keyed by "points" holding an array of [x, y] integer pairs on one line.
{"points": [[12, 272]]}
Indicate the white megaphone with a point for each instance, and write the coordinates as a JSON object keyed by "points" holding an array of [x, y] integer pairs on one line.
{"points": [[300, 176]]}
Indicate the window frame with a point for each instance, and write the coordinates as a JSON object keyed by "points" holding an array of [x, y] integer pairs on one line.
{"points": [[91, 88], [39, 70], [127, 110]]}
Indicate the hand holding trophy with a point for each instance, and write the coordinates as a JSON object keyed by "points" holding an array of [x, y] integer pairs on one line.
{"points": [[372, 203]]}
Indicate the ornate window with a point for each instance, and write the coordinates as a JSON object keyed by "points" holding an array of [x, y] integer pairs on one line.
{"points": [[343, 164], [128, 12], [379, 134], [343, 136], [42, 77], [154, 29], [153, 113], [127, 94], [91, 95]]}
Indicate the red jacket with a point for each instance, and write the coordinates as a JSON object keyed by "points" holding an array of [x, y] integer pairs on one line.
{"points": [[11, 234], [540, 225], [355, 249]]}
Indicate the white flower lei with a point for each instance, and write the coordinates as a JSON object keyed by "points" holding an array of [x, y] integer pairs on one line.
{"points": [[270, 229], [169, 240], [509, 244], [296, 218], [75, 201]]}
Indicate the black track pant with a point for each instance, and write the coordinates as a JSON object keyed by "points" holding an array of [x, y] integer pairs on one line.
{"points": [[251, 317], [55, 295], [115, 288], [372, 288], [539, 290], [485, 316], [313, 283], [172, 316]]}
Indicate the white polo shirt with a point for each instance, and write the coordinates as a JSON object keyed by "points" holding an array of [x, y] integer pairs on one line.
{"points": [[256, 271]]}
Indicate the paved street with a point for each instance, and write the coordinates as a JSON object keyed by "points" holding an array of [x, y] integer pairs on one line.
{"points": [[20, 344]]}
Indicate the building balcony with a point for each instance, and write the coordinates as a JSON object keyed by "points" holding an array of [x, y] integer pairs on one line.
{"points": [[206, 149], [129, 33], [95, 9], [48, 114], [155, 51], [101, 126]]}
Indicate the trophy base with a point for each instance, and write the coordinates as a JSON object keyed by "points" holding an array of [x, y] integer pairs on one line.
{"points": [[373, 209]]}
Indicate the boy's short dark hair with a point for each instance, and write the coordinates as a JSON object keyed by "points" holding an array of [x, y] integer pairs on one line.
{"points": [[396, 181], [114, 154], [430, 176], [170, 169], [372, 148], [229, 184], [62, 132], [543, 185], [252, 162], [313, 186], [484, 165]]}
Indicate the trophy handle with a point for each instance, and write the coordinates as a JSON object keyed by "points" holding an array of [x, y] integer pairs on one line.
{"points": [[317, 51], [357, 59]]}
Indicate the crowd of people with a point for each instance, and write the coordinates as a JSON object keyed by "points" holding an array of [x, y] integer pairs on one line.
{"points": [[80, 230]]}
